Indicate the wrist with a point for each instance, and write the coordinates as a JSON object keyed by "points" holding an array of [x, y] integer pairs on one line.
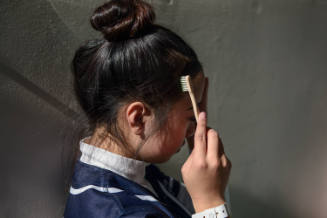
{"points": [[220, 211], [201, 205]]}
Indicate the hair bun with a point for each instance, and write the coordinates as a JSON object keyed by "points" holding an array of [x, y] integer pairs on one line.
{"points": [[122, 19]]}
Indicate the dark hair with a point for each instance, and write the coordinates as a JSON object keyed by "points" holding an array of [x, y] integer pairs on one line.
{"points": [[136, 60]]}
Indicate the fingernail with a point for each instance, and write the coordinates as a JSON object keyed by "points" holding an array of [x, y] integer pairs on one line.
{"points": [[202, 116]]}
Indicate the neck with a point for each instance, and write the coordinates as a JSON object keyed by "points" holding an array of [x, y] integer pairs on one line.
{"points": [[104, 140]]}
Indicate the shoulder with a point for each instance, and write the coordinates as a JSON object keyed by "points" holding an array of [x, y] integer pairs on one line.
{"points": [[106, 194], [108, 202]]}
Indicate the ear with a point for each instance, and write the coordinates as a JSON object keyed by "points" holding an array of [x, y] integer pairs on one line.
{"points": [[137, 114]]}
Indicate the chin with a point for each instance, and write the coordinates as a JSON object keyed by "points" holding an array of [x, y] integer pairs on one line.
{"points": [[166, 157], [162, 159]]}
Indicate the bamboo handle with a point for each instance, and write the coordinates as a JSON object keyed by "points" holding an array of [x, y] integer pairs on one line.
{"points": [[191, 93]]}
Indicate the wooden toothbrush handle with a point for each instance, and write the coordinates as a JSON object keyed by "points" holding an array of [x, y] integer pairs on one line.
{"points": [[191, 93]]}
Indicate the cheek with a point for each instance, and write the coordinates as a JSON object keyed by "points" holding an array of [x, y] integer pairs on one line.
{"points": [[175, 139]]}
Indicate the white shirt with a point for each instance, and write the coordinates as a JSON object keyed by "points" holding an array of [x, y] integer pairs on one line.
{"points": [[129, 168]]}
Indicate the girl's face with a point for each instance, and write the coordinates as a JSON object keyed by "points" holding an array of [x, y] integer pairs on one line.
{"points": [[180, 124]]}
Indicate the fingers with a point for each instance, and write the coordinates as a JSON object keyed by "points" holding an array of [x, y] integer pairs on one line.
{"points": [[216, 154], [208, 145], [221, 147], [213, 146], [200, 136], [225, 162]]}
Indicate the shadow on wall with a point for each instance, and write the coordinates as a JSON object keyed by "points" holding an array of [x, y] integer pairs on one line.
{"points": [[35, 157], [246, 206], [35, 151]]}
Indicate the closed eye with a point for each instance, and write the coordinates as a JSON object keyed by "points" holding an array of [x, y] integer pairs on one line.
{"points": [[192, 119]]}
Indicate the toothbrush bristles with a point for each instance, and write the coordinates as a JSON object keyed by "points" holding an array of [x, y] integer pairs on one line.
{"points": [[184, 84]]}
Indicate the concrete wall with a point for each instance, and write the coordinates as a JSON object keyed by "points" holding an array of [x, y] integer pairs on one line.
{"points": [[266, 61]]}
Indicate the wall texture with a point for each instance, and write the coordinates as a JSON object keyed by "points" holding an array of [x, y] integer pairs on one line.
{"points": [[266, 61]]}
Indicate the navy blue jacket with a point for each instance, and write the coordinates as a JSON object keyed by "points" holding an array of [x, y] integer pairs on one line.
{"points": [[101, 193]]}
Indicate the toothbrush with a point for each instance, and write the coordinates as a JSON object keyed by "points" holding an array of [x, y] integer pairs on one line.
{"points": [[187, 87]]}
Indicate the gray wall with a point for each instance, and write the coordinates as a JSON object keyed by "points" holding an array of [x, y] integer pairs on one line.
{"points": [[266, 61]]}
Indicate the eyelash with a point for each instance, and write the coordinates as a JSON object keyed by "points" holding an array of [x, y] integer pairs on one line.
{"points": [[192, 119]]}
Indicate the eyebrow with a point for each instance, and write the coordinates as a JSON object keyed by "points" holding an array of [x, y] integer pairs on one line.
{"points": [[191, 108]]}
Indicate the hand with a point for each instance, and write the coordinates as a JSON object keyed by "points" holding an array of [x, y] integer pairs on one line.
{"points": [[206, 171], [202, 107]]}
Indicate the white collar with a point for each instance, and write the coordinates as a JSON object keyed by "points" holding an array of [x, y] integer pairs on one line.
{"points": [[127, 167]]}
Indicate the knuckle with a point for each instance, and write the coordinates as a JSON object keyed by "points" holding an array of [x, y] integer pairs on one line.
{"points": [[214, 164], [212, 133], [199, 136], [202, 165]]}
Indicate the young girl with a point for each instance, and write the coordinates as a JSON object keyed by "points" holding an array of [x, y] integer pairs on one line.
{"points": [[128, 84]]}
